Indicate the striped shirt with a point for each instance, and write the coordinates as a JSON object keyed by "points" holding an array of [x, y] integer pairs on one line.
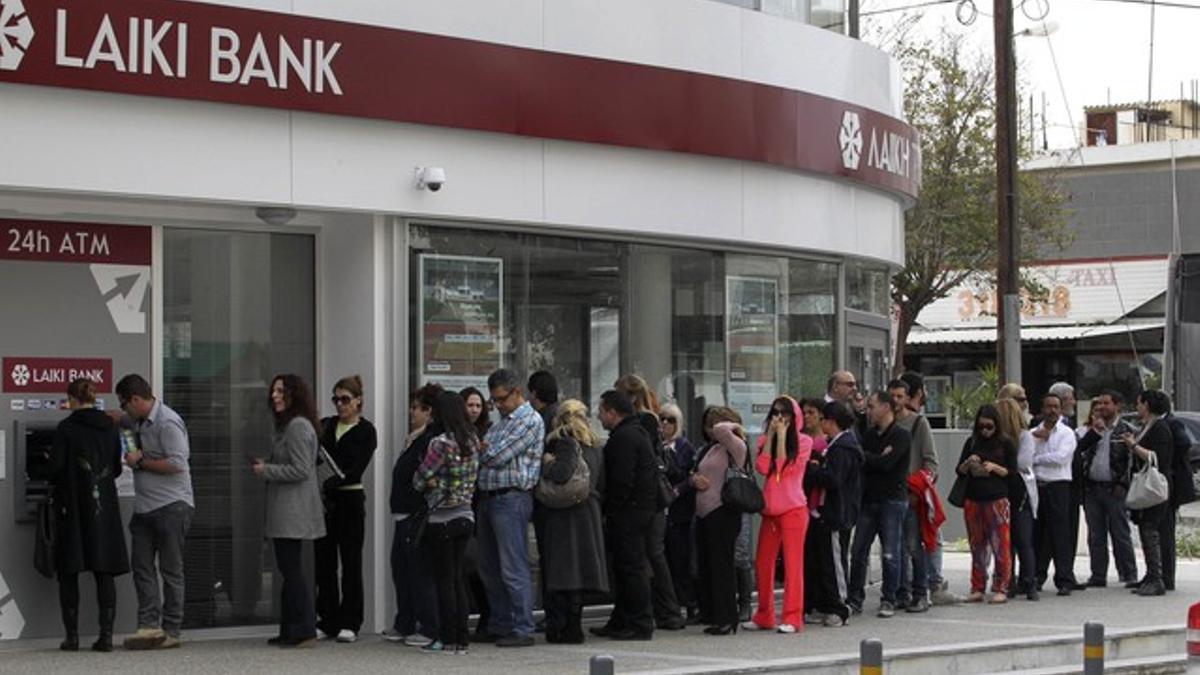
{"points": [[513, 457]]}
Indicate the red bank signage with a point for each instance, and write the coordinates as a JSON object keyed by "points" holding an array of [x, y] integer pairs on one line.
{"points": [[199, 51], [30, 375], [74, 242]]}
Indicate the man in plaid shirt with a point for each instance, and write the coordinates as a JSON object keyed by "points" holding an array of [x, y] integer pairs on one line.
{"points": [[510, 464]]}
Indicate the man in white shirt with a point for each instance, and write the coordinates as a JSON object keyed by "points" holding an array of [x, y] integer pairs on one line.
{"points": [[1053, 451]]}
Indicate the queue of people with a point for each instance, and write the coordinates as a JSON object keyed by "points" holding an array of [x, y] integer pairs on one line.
{"points": [[646, 519]]}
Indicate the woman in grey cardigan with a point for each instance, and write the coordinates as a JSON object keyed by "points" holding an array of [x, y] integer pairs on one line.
{"points": [[294, 511]]}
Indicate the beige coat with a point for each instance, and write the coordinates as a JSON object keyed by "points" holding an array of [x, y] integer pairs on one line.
{"points": [[294, 509]]}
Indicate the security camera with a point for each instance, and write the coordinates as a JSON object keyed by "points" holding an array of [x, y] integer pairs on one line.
{"points": [[431, 177]]}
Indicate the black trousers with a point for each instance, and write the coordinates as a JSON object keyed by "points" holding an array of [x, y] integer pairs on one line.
{"points": [[68, 591], [681, 558], [345, 518], [1023, 549], [662, 584], [824, 567], [632, 607], [1166, 543], [297, 616], [564, 616], [716, 534], [1052, 534], [448, 547]]}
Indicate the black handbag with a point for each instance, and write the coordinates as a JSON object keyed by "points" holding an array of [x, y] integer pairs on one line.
{"points": [[740, 491], [958, 492], [45, 538], [419, 522]]}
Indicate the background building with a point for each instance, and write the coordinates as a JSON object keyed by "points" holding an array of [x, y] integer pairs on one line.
{"points": [[672, 188]]}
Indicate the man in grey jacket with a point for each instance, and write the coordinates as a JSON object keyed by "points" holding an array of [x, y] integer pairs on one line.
{"points": [[913, 594]]}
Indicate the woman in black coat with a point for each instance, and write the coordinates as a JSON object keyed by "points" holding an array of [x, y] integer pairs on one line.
{"points": [[83, 466], [573, 559], [1155, 438], [348, 440]]}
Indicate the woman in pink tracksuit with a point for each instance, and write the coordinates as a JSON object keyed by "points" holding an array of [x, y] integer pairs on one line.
{"points": [[783, 452]]}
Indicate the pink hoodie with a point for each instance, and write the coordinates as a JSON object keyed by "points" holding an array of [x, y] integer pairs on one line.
{"points": [[783, 490]]}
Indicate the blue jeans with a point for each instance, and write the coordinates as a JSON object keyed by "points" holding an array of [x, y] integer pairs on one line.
{"points": [[504, 561], [885, 519], [914, 584], [416, 592]]}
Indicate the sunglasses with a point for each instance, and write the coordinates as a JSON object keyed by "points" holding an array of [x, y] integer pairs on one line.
{"points": [[342, 400], [669, 420], [776, 412], [987, 427]]}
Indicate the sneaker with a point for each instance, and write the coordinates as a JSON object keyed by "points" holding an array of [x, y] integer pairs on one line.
{"points": [[786, 628], [515, 640], [169, 642], [918, 606], [942, 596], [145, 638], [417, 640], [835, 621], [886, 610], [393, 635], [322, 635], [750, 625], [347, 635], [814, 618], [436, 647]]}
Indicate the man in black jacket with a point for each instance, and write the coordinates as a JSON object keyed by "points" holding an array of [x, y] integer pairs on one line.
{"points": [[630, 500], [834, 481], [884, 503], [1105, 477]]}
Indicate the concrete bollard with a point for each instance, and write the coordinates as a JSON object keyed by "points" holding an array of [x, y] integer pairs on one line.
{"points": [[1093, 648], [602, 664], [870, 659]]}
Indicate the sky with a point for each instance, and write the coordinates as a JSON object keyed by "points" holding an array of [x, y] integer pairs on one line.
{"points": [[1102, 49]]}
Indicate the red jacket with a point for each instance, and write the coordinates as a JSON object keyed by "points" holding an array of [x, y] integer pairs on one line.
{"points": [[929, 507], [783, 489]]}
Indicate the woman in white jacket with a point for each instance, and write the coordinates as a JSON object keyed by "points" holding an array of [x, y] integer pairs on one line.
{"points": [[1023, 497]]}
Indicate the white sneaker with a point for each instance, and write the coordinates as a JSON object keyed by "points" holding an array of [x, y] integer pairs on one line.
{"points": [[786, 628], [750, 625], [346, 635], [322, 635], [417, 640]]}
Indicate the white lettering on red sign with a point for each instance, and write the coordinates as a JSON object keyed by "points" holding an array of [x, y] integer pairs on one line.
{"points": [[138, 48], [80, 243]]}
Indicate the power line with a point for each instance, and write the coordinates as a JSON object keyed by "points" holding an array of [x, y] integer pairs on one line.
{"points": [[1160, 3]]}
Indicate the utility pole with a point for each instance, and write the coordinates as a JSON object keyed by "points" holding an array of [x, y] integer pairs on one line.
{"points": [[1008, 316]]}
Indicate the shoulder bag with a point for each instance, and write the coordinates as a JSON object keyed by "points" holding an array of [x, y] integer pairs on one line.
{"points": [[45, 540], [1148, 488], [740, 491], [565, 495]]}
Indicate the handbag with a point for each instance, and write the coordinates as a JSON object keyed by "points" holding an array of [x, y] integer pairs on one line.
{"points": [[45, 539], [665, 494], [418, 522], [571, 493], [958, 491], [1148, 488], [740, 491]]}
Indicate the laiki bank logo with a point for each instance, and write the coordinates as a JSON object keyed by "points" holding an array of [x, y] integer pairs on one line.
{"points": [[20, 374], [851, 140], [16, 32]]}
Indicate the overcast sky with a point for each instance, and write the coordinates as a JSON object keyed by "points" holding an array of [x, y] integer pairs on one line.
{"points": [[1102, 48]]}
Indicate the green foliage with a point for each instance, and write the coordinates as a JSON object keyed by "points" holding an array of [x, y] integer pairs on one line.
{"points": [[963, 403], [1187, 543], [951, 232]]}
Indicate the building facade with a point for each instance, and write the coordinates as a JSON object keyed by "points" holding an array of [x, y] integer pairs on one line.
{"points": [[213, 193]]}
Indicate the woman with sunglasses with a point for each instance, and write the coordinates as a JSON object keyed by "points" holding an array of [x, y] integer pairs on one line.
{"points": [[1022, 498], [348, 441], [680, 555], [988, 459], [783, 454]]}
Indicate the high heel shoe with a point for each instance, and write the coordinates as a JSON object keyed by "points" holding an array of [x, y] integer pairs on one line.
{"points": [[722, 629]]}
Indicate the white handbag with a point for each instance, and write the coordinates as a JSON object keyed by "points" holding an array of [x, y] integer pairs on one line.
{"points": [[1148, 488]]}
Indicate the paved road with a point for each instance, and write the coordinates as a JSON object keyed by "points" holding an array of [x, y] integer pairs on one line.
{"points": [[944, 625]]}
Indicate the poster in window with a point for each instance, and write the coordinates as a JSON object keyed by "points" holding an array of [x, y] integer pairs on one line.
{"points": [[461, 319], [752, 344]]}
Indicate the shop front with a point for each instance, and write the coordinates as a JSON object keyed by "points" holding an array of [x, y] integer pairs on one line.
{"points": [[211, 194]]}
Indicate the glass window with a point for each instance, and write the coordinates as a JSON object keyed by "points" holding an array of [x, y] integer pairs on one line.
{"points": [[238, 308], [828, 14], [792, 9], [809, 326], [868, 289]]}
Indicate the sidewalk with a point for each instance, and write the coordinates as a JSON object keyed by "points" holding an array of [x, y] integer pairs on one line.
{"points": [[1113, 606]]}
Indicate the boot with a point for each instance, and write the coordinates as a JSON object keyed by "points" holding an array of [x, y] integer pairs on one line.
{"points": [[745, 588], [70, 619], [103, 642]]}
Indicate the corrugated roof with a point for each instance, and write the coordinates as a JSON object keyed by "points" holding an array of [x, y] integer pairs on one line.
{"points": [[1028, 334]]}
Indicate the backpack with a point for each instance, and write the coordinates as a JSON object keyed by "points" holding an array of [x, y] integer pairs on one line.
{"points": [[1183, 489]]}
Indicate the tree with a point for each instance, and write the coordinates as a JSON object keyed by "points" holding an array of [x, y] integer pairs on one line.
{"points": [[950, 235]]}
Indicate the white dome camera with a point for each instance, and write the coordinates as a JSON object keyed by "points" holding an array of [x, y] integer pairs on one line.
{"points": [[431, 178]]}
